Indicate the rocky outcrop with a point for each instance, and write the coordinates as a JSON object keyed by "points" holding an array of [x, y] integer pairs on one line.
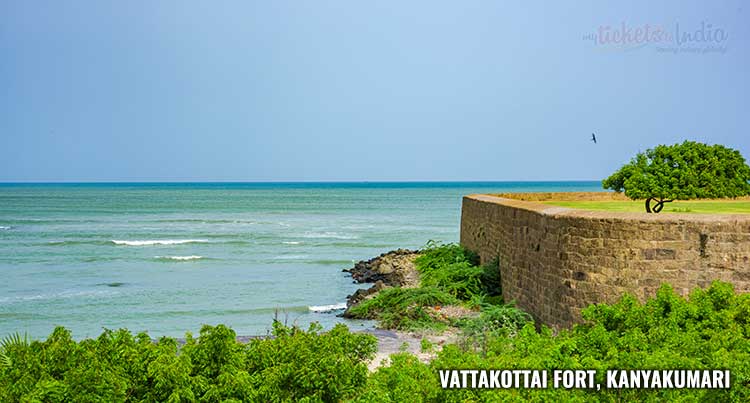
{"points": [[392, 269], [362, 294]]}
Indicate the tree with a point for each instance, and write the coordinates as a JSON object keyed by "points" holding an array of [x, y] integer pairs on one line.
{"points": [[684, 171]]}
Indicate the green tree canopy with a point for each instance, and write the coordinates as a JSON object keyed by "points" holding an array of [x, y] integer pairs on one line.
{"points": [[690, 170]]}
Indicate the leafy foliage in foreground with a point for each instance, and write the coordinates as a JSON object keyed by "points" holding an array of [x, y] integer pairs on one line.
{"points": [[295, 365], [711, 330], [689, 170]]}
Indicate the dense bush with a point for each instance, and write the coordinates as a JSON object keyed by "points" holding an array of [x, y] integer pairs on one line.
{"points": [[436, 256], [494, 321], [457, 271], [449, 275], [295, 365], [711, 330]]}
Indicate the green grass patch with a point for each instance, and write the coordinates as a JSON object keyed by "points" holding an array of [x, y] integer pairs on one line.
{"points": [[679, 206], [404, 308]]}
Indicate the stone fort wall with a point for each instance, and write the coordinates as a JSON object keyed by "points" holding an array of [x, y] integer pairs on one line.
{"points": [[555, 261]]}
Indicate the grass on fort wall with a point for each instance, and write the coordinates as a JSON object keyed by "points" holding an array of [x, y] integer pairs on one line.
{"points": [[680, 206]]}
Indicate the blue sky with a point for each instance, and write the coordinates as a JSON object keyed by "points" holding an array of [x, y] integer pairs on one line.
{"points": [[354, 90]]}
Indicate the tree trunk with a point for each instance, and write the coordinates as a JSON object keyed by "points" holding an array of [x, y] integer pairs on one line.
{"points": [[658, 206]]}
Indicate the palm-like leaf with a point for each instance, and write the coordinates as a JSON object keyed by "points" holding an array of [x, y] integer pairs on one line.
{"points": [[10, 342]]}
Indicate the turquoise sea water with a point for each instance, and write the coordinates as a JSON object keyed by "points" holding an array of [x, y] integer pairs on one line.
{"points": [[167, 258]]}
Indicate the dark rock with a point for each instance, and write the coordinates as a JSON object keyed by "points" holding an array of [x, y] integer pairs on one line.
{"points": [[382, 268], [391, 269]]}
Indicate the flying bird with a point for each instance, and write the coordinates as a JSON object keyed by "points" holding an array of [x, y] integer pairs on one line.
{"points": [[593, 137]]}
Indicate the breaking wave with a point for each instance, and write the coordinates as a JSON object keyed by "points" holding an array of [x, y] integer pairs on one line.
{"points": [[329, 235], [179, 258], [158, 242], [327, 308]]}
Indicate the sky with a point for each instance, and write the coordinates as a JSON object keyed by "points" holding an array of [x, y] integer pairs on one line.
{"points": [[363, 90]]}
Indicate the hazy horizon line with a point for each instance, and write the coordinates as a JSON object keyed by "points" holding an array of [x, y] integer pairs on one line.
{"points": [[292, 181]]}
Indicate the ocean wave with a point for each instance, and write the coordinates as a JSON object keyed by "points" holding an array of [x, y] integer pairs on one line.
{"points": [[206, 221], [362, 244], [58, 295], [158, 242], [93, 259], [289, 257], [328, 235], [327, 308], [334, 261], [36, 221], [270, 311], [179, 258], [75, 242], [236, 242], [3, 228], [291, 242]]}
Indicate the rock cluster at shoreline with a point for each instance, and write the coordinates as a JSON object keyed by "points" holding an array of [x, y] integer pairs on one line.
{"points": [[391, 269]]}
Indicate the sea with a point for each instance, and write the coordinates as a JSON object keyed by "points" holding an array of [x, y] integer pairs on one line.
{"points": [[167, 258]]}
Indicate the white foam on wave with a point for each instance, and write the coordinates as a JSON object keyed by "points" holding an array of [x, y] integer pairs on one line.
{"points": [[191, 257], [291, 242], [3, 227], [329, 234], [158, 242], [327, 308]]}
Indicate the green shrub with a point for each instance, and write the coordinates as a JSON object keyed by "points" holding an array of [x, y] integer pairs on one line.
{"points": [[461, 280], [405, 380], [436, 255], [494, 321], [300, 365], [711, 330], [404, 308], [295, 365], [455, 270]]}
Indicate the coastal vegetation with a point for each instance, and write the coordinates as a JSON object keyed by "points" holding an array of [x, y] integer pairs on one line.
{"points": [[685, 171], [294, 365], [450, 279], [709, 330]]}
